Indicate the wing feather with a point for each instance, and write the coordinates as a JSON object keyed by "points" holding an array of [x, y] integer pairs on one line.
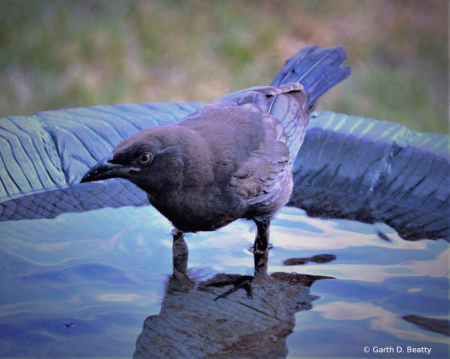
{"points": [[280, 112]]}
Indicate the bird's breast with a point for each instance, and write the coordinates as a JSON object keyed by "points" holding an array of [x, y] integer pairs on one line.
{"points": [[194, 210]]}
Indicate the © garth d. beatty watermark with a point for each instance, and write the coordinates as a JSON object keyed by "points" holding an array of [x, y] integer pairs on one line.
{"points": [[387, 350]]}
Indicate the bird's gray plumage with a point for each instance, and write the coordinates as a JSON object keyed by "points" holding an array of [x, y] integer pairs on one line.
{"points": [[257, 136], [232, 158]]}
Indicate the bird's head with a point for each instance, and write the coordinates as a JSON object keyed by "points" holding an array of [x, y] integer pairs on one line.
{"points": [[152, 159]]}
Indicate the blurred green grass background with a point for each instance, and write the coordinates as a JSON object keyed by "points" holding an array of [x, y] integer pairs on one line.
{"points": [[72, 53]]}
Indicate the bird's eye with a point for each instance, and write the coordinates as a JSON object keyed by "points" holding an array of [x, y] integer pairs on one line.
{"points": [[145, 158]]}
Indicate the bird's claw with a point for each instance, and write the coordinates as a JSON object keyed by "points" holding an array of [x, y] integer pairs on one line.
{"points": [[244, 282]]}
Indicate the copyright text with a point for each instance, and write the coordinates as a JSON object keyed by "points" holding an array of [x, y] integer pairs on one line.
{"points": [[390, 349]]}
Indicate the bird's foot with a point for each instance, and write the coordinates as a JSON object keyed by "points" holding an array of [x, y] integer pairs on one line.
{"points": [[245, 281], [238, 281]]}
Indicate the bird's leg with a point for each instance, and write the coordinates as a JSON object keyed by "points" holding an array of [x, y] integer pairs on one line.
{"points": [[260, 255], [180, 281], [180, 253], [261, 247]]}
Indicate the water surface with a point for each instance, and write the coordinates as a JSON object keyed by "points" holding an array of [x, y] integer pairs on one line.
{"points": [[82, 284]]}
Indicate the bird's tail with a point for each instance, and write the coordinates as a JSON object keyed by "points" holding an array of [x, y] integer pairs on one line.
{"points": [[317, 69]]}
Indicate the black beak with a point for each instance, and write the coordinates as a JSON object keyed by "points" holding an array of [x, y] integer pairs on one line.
{"points": [[104, 170]]}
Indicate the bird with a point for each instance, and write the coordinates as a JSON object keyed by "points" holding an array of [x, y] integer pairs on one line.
{"points": [[233, 158]]}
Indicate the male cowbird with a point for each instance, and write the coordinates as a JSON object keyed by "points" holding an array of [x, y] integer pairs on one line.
{"points": [[232, 158]]}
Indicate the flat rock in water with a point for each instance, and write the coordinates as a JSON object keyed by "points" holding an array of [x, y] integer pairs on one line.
{"points": [[192, 324]]}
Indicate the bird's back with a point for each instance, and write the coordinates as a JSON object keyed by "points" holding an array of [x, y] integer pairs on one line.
{"points": [[251, 148]]}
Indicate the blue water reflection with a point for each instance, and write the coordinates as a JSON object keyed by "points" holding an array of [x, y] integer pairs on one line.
{"points": [[82, 284]]}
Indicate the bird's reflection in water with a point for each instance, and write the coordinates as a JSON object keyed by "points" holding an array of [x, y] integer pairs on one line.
{"points": [[192, 324]]}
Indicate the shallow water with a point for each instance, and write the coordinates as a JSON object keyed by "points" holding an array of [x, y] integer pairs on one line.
{"points": [[81, 285]]}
